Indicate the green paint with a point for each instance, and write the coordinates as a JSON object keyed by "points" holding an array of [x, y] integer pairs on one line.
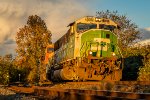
{"points": [[87, 42]]}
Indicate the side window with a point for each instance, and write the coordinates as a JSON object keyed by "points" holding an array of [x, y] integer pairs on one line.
{"points": [[111, 28], [112, 48], [107, 35]]}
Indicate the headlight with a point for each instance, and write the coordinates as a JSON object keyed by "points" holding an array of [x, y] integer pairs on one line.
{"points": [[90, 52], [113, 54]]}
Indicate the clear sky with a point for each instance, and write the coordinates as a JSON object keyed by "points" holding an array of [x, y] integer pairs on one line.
{"points": [[59, 13], [136, 10]]}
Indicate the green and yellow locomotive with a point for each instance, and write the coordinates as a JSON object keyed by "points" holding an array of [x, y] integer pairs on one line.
{"points": [[88, 51]]}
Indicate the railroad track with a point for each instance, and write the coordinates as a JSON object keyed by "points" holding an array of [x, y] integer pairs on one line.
{"points": [[114, 82], [98, 90], [76, 94], [90, 91]]}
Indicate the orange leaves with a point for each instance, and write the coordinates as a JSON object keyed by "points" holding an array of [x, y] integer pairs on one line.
{"points": [[31, 41]]}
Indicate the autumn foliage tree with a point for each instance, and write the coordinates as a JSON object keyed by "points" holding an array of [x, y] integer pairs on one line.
{"points": [[144, 71], [5, 66], [128, 32], [31, 41], [9, 72]]}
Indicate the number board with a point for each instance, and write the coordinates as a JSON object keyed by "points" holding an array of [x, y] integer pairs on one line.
{"points": [[91, 19]]}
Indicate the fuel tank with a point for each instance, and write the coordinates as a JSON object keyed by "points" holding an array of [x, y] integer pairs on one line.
{"points": [[64, 74]]}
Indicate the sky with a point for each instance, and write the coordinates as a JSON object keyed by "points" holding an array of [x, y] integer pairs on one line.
{"points": [[57, 14]]}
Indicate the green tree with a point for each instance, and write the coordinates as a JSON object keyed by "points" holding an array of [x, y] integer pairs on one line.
{"points": [[31, 41], [128, 31]]}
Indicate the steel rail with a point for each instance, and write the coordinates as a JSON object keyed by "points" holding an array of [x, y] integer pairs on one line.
{"points": [[77, 94]]}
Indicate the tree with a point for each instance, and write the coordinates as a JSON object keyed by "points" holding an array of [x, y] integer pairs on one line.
{"points": [[137, 64], [5, 68], [31, 41], [128, 32], [144, 71]]}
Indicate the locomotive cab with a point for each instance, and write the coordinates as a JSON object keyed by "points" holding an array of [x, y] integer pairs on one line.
{"points": [[49, 53]]}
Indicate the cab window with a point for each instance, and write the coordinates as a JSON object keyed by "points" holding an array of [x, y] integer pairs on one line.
{"points": [[106, 27], [81, 27], [49, 50], [108, 36]]}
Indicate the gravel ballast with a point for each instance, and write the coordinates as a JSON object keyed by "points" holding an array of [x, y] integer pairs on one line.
{"points": [[6, 94]]}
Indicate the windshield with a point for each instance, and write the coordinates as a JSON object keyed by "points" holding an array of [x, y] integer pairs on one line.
{"points": [[81, 27], [107, 27], [50, 50]]}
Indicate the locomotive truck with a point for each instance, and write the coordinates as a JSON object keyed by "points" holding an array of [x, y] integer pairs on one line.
{"points": [[88, 51]]}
